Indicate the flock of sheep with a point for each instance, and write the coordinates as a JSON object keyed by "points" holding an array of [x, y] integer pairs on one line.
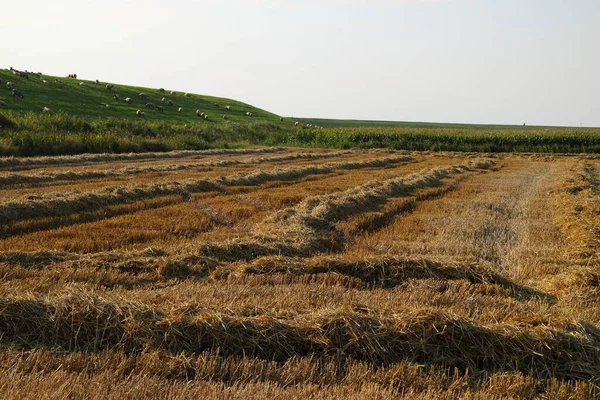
{"points": [[110, 87]]}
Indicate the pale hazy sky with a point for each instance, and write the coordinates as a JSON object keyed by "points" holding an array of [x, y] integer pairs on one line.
{"points": [[481, 61]]}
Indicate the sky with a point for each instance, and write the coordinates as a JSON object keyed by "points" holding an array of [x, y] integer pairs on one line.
{"points": [[470, 61]]}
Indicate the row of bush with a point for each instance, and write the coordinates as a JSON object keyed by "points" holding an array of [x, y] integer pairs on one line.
{"points": [[32, 134]]}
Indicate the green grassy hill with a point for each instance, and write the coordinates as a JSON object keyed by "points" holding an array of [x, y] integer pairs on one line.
{"points": [[67, 95]]}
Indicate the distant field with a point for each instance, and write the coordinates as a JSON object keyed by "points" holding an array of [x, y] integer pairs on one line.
{"points": [[351, 123], [300, 273]]}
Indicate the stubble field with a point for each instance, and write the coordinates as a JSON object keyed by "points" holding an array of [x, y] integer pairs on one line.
{"points": [[297, 273]]}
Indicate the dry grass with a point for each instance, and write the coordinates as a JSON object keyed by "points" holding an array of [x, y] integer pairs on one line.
{"points": [[11, 163], [21, 179], [303, 274]]}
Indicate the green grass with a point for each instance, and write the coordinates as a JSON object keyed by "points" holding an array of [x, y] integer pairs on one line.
{"points": [[67, 96]]}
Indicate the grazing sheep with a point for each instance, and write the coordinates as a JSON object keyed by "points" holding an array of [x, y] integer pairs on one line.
{"points": [[163, 99], [173, 93], [170, 102], [97, 82], [180, 109], [143, 95], [128, 100], [224, 116], [72, 76], [187, 95], [199, 113], [160, 108], [105, 105], [161, 90], [82, 84], [248, 114], [216, 105], [46, 110], [205, 117], [9, 85], [150, 105], [22, 74], [116, 97], [140, 114], [228, 108], [45, 82], [109, 87], [296, 123], [17, 93], [2, 104]]}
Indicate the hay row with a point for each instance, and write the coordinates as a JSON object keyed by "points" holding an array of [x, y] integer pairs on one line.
{"points": [[309, 225], [308, 228], [578, 200], [84, 322], [398, 379], [43, 177], [354, 272], [18, 163], [61, 203], [372, 271]]}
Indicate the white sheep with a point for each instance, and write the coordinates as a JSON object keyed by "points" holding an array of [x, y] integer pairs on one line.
{"points": [[140, 113], [46, 110], [180, 109], [9, 85], [128, 100], [296, 123], [82, 84], [173, 93], [228, 108], [206, 117], [45, 82], [163, 99], [187, 95]]}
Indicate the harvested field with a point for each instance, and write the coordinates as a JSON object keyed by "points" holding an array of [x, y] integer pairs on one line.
{"points": [[288, 273]]}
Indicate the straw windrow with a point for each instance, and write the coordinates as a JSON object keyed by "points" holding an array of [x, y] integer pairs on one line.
{"points": [[61, 203]]}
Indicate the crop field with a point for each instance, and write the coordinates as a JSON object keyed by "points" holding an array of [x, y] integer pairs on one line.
{"points": [[300, 273]]}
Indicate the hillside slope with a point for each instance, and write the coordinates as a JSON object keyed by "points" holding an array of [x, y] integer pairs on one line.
{"points": [[67, 95]]}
